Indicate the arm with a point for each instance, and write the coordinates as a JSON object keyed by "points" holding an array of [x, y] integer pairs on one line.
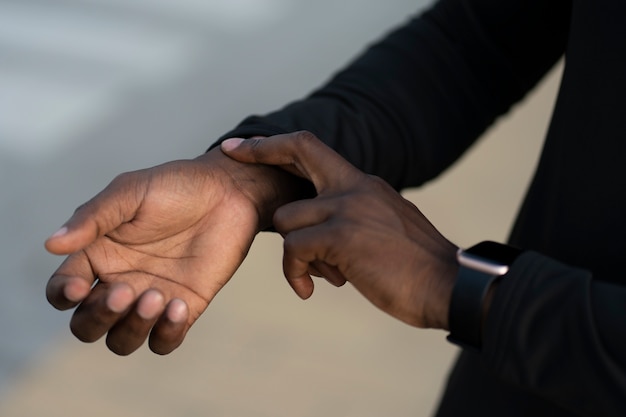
{"points": [[357, 229], [376, 98], [554, 331], [549, 328], [413, 102]]}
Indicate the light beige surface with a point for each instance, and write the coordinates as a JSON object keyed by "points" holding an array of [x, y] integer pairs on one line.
{"points": [[259, 351]]}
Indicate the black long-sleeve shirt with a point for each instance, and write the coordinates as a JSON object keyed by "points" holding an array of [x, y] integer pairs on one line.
{"points": [[555, 338]]}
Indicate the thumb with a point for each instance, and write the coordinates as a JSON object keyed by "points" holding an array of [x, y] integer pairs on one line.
{"points": [[114, 205], [300, 153]]}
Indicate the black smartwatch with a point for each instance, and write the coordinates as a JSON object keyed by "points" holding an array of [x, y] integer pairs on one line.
{"points": [[479, 267]]}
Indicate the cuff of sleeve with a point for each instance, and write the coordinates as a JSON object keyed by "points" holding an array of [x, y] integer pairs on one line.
{"points": [[539, 307]]}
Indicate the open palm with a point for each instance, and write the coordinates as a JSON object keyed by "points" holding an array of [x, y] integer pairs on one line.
{"points": [[148, 253]]}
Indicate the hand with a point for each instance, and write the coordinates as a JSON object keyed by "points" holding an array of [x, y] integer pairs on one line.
{"points": [[360, 229], [149, 252]]}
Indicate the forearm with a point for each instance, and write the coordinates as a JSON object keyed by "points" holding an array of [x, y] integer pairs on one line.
{"points": [[412, 103], [555, 332]]}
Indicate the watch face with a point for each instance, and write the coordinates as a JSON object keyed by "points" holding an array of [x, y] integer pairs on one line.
{"points": [[489, 257]]}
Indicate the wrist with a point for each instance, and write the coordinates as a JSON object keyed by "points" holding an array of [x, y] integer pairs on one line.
{"points": [[436, 315], [266, 187]]}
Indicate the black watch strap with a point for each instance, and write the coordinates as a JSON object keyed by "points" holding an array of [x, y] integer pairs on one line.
{"points": [[466, 307], [479, 267]]}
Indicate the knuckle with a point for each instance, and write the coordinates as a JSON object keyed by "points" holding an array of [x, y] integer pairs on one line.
{"points": [[130, 181], [121, 179], [344, 232], [378, 183], [295, 248], [255, 150], [345, 205], [305, 136], [355, 205], [306, 140], [80, 207], [254, 144], [278, 220], [289, 244]]}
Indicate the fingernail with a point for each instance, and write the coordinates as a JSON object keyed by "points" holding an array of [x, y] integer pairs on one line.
{"points": [[62, 231], [76, 290], [177, 311], [120, 299], [150, 304], [232, 143]]}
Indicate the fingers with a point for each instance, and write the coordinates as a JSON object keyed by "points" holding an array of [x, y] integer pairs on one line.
{"points": [[304, 248], [170, 330], [131, 331], [127, 321], [301, 214], [116, 204], [71, 282], [103, 308], [100, 310], [301, 153], [302, 285], [329, 272], [167, 325]]}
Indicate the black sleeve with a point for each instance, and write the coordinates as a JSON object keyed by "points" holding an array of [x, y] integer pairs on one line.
{"points": [[413, 102], [557, 333]]}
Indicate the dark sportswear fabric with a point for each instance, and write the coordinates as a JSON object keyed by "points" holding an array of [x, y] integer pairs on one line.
{"points": [[555, 338]]}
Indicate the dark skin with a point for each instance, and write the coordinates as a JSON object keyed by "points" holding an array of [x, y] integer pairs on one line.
{"points": [[160, 243], [360, 229]]}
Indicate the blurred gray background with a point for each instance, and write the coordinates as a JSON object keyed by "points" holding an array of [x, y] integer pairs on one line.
{"points": [[92, 88]]}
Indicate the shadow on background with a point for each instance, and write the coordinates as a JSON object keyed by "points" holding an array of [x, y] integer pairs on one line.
{"points": [[91, 88]]}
